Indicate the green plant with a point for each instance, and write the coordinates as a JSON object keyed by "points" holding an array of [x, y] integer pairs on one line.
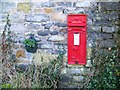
{"points": [[6, 49], [30, 42], [6, 86], [105, 72], [43, 76]]}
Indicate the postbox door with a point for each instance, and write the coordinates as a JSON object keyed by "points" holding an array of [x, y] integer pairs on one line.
{"points": [[77, 46]]}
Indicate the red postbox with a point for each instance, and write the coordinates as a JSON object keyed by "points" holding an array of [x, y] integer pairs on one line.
{"points": [[77, 38]]}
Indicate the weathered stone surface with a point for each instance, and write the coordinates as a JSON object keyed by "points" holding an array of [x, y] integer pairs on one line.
{"points": [[97, 28], [46, 46], [43, 33], [58, 9], [21, 67], [79, 11], [46, 57], [64, 70], [18, 27], [89, 53], [89, 22], [57, 52], [113, 15], [63, 31], [94, 36], [107, 43], [48, 10], [94, 9], [66, 78], [89, 63], [6, 6], [106, 36], [33, 26], [47, 4], [37, 18], [74, 71], [108, 29], [25, 7], [110, 6], [83, 4], [59, 24], [54, 32], [99, 36], [48, 25], [56, 38], [78, 78], [59, 16], [68, 4], [103, 22]]}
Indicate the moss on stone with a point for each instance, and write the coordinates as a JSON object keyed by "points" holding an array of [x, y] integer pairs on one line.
{"points": [[25, 7]]}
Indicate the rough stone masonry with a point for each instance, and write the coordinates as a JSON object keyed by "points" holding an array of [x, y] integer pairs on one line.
{"points": [[48, 22]]}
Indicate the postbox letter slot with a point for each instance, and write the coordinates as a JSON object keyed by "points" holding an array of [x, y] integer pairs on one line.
{"points": [[76, 39]]}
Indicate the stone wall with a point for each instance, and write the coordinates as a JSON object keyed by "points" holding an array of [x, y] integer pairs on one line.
{"points": [[48, 22]]}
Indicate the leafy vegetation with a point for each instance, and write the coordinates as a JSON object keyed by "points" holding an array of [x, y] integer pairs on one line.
{"points": [[44, 76], [30, 42], [105, 71]]}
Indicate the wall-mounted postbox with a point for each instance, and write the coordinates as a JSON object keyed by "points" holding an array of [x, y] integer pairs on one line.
{"points": [[77, 38]]}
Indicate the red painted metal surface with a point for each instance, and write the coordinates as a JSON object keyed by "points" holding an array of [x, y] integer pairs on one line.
{"points": [[77, 39]]}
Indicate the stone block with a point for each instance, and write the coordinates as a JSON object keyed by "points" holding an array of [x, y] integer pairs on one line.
{"points": [[109, 6], [46, 46], [56, 52], [37, 18], [66, 79], [43, 33], [107, 43], [58, 9], [96, 28], [83, 4], [108, 29], [89, 63], [6, 6], [64, 4], [33, 26], [48, 25], [106, 36], [56, 38], [20, 53], [89, 53], [48, 10], [59, 24], [43, 57], [39, 10], [78, 78], [89, 21], [25, 7], [102, 22], [99, 36], [64, 70], [47, 4], [18, 27], [113, 15], [54, 32], [77, 11], [59, 16], [74, 71], [93, 36]]}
